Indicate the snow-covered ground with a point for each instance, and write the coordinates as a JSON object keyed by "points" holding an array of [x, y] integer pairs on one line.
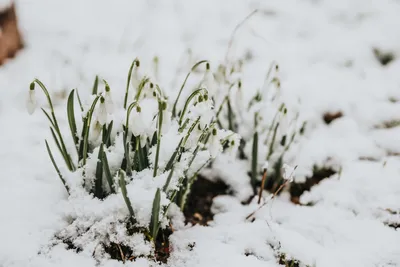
{"points": [[325, 52]]}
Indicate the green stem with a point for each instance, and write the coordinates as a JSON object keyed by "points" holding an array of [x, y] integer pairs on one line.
{"points": [[183, 85]]}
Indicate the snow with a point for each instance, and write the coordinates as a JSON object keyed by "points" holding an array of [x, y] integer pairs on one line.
{"points": [[326, 63]]}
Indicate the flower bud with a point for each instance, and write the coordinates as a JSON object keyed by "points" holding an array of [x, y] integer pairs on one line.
{"points": [[108, 100], [31, 101], [102, 112]]}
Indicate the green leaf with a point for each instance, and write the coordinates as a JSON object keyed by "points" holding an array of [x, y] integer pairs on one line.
{"points": [[271, 146], [95, 85], [79, 100], [58, 144], [183, 85], [155, 214], [48, 117], [122, 184], [128, 82], [98, 183], [84, 127], [71, 118], [191, 96], [56, 167], [168, 180], [107, 173], [107, 140], [254, 162], [172, 159], [87, 130], [159, 131]]}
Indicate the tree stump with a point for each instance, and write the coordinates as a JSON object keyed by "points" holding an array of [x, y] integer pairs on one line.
{"points": [[10, 38]]}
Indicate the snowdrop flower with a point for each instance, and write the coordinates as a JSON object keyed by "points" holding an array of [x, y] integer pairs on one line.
{"points": [[234, 142], [204, 110], [209, 81], [108, 100], [214, 145], [283, 121], [31, 101], [102, 112], [96, 131], [288, 172], [135, 78], [143, 118]]}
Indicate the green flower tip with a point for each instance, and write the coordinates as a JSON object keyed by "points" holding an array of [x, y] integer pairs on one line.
{"points": [[164, 105], [151, 85], [207, 66], [154, 94], [102, 99], [276, 67], [240, 84], [214, 131], [200, 98], [32, 86], [107, 87], [284, 110], [137, 63], [232, 143], [206, 97], [138, 109]]}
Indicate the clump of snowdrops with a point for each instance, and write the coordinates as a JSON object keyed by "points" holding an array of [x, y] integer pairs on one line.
{"points": [[132, 161], [268, 128]]}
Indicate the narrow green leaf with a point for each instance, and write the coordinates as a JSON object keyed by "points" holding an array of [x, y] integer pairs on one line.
{"points": [[98, 183], [171, 173], [56, 167], [159, 131], [71, 118], [155, 214], [122, 184], [79, 100], [95, 85], [107, 140], [81, 141], [172, 159], [230, 116], [183, 85], [87, 130], [254, 162], [107, 173], [271, 146], [48, 117], [58, 144]]}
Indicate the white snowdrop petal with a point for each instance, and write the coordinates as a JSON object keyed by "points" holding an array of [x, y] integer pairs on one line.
{"points": [[102, 113], [31, 102], [109, 103]]}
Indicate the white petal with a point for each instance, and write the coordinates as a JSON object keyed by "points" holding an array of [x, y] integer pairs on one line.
{"points": [[31, 102], [102, 114], [109, 103]]}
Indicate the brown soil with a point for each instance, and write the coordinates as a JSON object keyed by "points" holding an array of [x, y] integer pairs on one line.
{"points": [[10, 38], [331, 116], [297, 189], [198, 208]]}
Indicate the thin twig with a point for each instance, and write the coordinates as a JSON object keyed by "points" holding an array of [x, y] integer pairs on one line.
{"points": [[122, 253], [266, 202], [262, 186]]}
